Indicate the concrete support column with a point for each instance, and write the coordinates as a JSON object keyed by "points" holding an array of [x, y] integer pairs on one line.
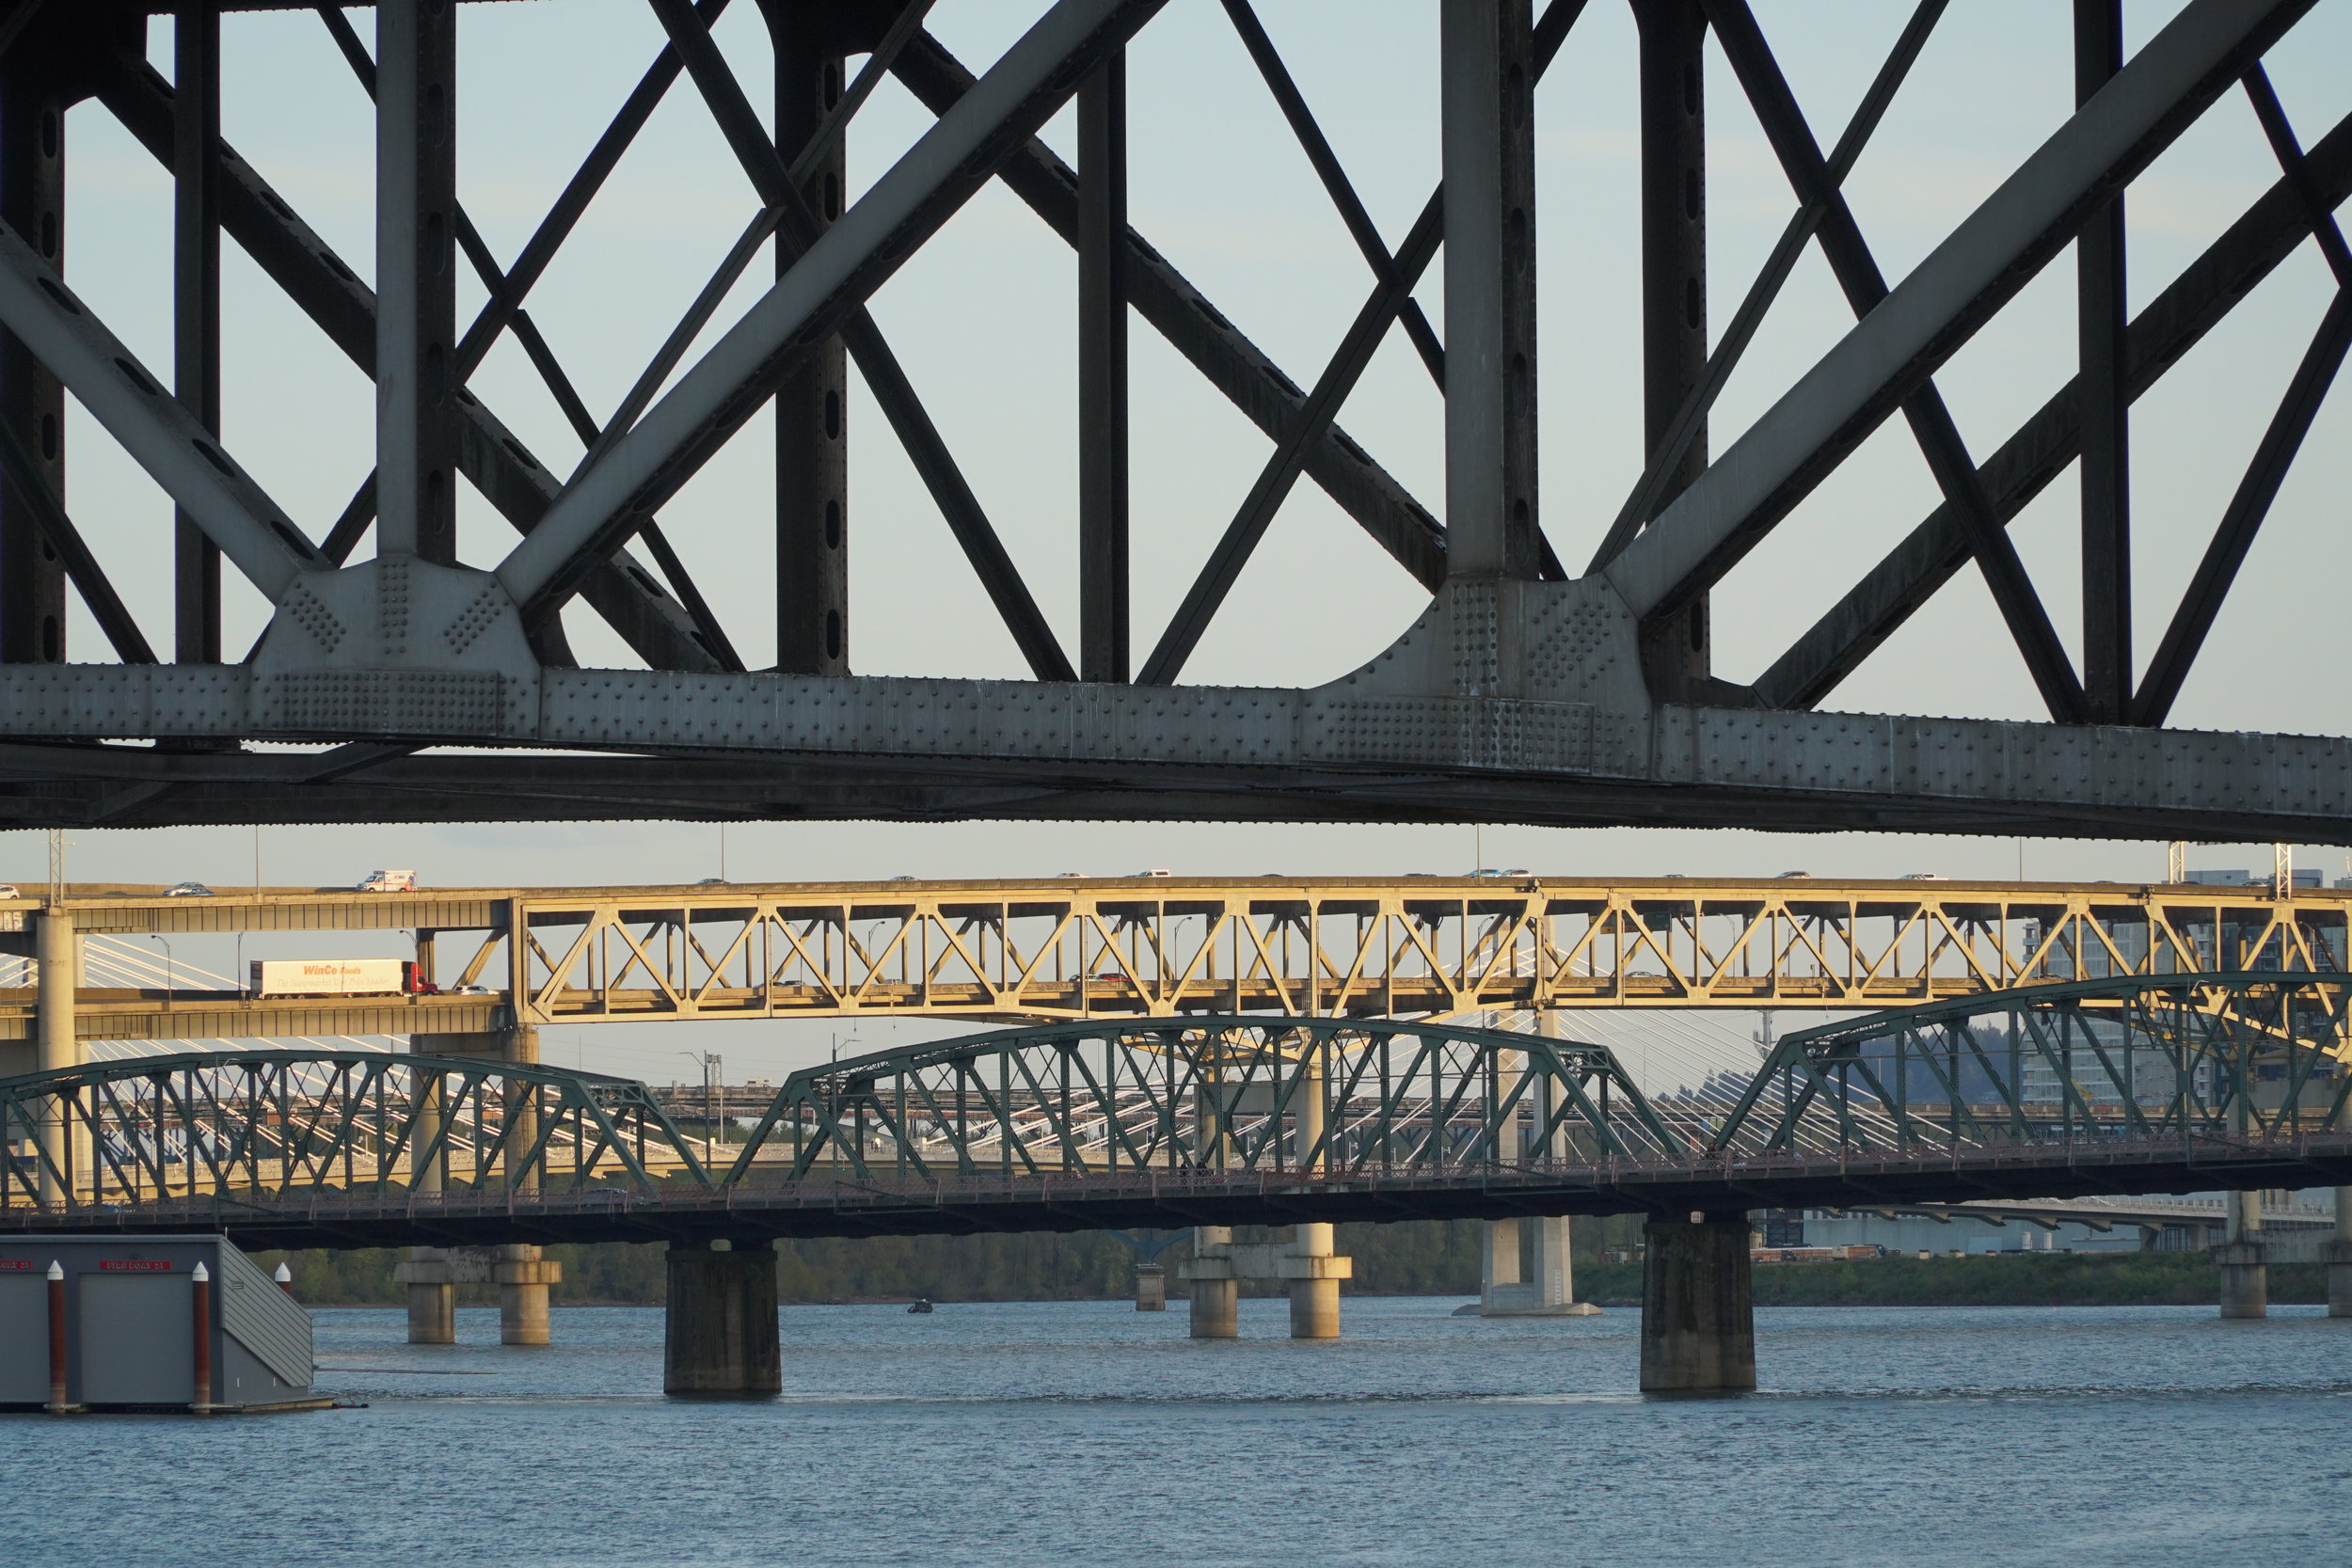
{"points": [[1497, 1262], [2339, 1259], [1151, 1287], [1313, 1272], [1698, 1307], [57, 949], [432, 1289], [1209, 1280], [1550, 1270], [1314, 1277], [2245, 1276], [720, 1327], [432, 1296], [523, 1278], [523, 1275], [1524, 1271]]}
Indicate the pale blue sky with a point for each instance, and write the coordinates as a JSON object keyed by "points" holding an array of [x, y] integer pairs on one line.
{"points": [[983, 320]]}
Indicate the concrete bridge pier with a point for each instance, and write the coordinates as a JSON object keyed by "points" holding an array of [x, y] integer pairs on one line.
{"points": [[2339, 1259], [1210, 1281], [2245, 1276], [1151, 1287], [432, 1296], [1698, 1306], [1542, 1284], [719, 1334], [432, 1281], [521, 1275], [57, 953], [1314, 1277]]}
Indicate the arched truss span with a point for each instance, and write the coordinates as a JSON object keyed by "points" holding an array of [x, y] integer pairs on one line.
{"points": [[1299, 1096], [269, 1125], [2261, 1055]]}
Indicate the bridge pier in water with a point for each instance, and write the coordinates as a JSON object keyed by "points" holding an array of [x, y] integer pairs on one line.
{"points": [[2245, 1275], [1314, 1277], [521, 1275], [1210, 1282], [2339, 1259], [1698, 1306], [1525, 1271], [432, 1296], [57, 951], [1218, 1264], [719, 1330]]}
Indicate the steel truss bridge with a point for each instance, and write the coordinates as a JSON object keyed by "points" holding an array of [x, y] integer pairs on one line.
{"points": [[2125, 1086], [430, 681], [1161, 947]]}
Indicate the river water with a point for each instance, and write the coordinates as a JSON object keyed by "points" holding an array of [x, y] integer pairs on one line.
{"points": [[1089, 1434]]}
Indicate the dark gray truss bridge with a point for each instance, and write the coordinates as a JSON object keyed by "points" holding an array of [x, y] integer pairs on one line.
{"points": [[424, 683]]}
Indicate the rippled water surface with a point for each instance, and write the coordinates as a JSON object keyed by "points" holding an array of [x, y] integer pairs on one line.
{"points": [[1088, 1434]]}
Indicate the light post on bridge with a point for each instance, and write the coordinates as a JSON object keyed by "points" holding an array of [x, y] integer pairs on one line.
{"points": [[709, 1062], [169, 983]]}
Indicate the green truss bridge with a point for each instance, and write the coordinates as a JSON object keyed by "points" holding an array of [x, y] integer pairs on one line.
{"points": [[2134, 1084]]}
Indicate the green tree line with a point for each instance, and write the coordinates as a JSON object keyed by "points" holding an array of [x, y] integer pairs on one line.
{"points": [[1415, 1258], [1434, 1258]]}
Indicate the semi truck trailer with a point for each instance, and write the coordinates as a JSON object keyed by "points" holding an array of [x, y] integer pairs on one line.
{"points": [[339, 977]]}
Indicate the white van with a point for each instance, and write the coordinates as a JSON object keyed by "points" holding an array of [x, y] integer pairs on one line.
{"points": [[387, 881]]}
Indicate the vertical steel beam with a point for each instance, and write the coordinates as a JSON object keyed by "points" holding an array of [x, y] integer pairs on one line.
{"points": [[32, 401], [2105, 403], [1103, 577], [196, 306], [1672, 81], [813, 401], [416, 277], [1489, 124]]}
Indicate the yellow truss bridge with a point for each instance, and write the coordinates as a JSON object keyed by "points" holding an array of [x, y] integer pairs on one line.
{"points": [[1068, 947]]}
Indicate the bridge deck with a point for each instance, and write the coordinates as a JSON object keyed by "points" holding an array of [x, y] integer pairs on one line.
{"points": [[1070, 947], [823, 1205]]}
